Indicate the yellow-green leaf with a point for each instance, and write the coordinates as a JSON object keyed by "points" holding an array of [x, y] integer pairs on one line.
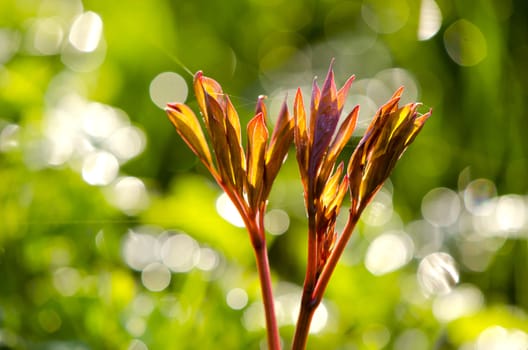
{"points": [[343, 92], [207, 86], [188, 127], [343, 136], [257, 138], [236, 151], [302, 138], [331, 186], [279, 145]]}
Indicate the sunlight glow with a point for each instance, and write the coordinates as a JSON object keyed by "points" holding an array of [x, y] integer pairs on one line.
{"points": [[140, 249], [100, 168], [136, 326], [437, 274], [126, 142], [287, 305], [319, 320], [227, 210], [426, 238], [9, 137], [465, 43], [276, 221], [156, 277], [367, 111], [168, 87], [180, 252], [463, 300], [46, 36], [441, 207], [430, 20], [500, 338], [237, 298], [388, 252], [143, 304], [253, 318], [86, 32], [129, 194], [176, 251], [67, 281], [412, 338], [80, 61], [393, 79], [380, 210], [100, 121], [209, 259], [477, 193], [511, 213], [9, 44], [91, 137], [137, 344]]}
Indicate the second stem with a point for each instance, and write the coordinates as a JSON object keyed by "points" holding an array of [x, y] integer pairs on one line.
{"points": [[261, 255]]}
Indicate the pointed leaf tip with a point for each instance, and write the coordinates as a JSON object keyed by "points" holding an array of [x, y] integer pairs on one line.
{"points": [[257, 134], [188, 127], [261, 106], [343, 92], [171, 105], [398, 92]]}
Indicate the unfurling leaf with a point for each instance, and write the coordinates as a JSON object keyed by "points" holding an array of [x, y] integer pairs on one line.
{"points": [[206, 86], [236, 151], [343, 92], [188, 127], [302, 137], [341, 139], [256, 153], [324, 122], [280, 142], [387, 137]]}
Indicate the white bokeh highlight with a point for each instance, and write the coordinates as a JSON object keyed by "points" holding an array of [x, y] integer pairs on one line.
{"points": [[86, 32], [430, 20], [437, 274], [237, 298], [227, 210], [388, 252], [168, 87]]}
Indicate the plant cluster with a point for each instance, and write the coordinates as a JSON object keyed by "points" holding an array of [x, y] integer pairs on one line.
{"points": [[247, 174]]}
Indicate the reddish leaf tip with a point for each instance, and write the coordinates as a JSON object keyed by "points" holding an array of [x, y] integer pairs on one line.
{"points": [[332, 61], [172, 105], [398, 93]]}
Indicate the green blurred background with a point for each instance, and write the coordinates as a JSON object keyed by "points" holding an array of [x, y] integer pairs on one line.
{"points": [[112, 236]]}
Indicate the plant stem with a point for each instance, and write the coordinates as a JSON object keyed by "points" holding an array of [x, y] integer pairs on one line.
{"points": [[261, 254], [331, 263], [313, 293], [308, 307], [308, 304]]}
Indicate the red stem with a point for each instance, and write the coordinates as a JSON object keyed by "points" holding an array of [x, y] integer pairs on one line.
{"points": [[312, 295], [258, 240], [308, 307], [331, 263], [312, 258], [261, 254]]}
